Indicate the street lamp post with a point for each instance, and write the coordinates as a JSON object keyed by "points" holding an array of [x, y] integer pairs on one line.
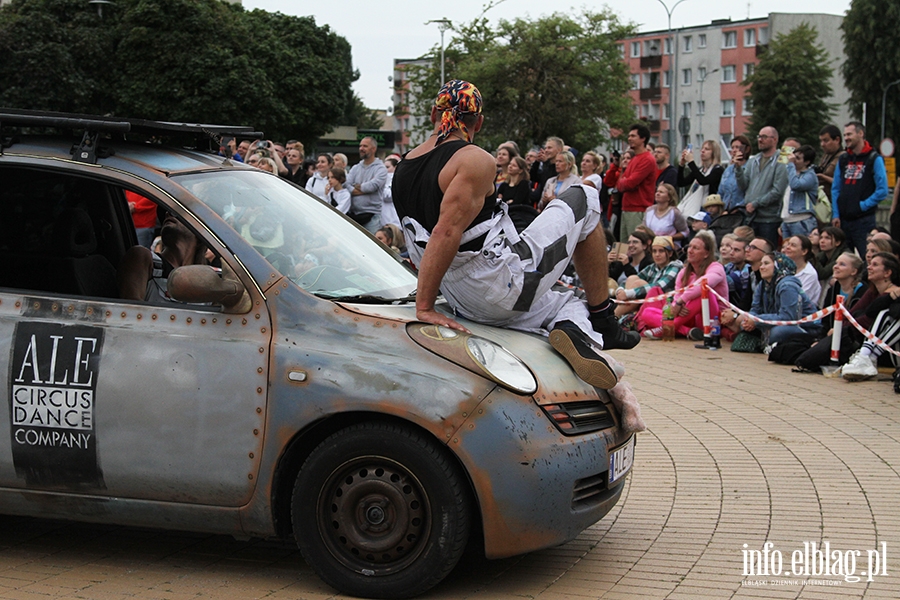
{"points": [[701, 80], [883, 103], [443, 25], [673, 82]]}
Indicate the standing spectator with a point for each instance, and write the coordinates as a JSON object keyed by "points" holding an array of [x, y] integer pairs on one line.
{"points": [[764, 180], [830, 142], [545, 167], [516, 189], [731, 192], [335, 192], [340, 160], [504, 155], [663, 218], [565, 178], [798, 210], [319, 181], [590, 170], [365, 182], [389, 214], [638, 183], [610, 180], [143, 213], [701, 181], [860, 185], [294, 162], [531, 157], [242, 150], [665, 171]]}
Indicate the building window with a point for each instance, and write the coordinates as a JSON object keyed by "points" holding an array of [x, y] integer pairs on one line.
{"points": [[654, 112], [666, 111], [728, 74], [749, 68], [701, 107], [701, 40], [637, 111], [729, 39], [651, 48], [668, 46], [621, 49], [643, 111], [749, 38], [686, 77], [635, 82], [727, 108], [763, 35], [699, 141], [686, 109], [635, 49], [701, 73], [747, 106], [667, 78], [688, 43]]}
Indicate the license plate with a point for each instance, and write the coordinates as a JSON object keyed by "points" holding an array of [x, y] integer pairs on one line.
{"points": [[620, 460]]}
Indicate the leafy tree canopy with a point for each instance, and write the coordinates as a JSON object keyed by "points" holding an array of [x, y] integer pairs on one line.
{"points": [[873, 61], [555, 76], [790, 87], [176, 60]]}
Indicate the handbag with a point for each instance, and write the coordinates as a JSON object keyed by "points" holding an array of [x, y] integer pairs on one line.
{"points": [[823, 207], [746, 342]]}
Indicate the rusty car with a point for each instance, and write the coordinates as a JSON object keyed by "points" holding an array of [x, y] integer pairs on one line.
{"points": [[316, 409]]}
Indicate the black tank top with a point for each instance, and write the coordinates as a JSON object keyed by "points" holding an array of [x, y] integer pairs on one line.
{"points": [[417, 194]]}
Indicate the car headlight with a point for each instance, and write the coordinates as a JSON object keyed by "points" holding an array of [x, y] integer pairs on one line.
{"points": [[476, 354]]}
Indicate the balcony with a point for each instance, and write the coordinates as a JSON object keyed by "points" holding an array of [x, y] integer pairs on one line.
{"points": [[653, 126], [650, 93], [654, 60]]}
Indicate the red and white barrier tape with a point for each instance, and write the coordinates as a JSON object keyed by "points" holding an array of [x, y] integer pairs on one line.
{"points": [[868, 334], [661, 296]]}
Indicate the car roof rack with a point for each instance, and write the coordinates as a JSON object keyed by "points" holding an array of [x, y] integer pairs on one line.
{"points": [[93, 126]]}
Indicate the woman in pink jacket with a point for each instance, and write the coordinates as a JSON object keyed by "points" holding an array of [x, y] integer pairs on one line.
{"points": [[701, 262]]}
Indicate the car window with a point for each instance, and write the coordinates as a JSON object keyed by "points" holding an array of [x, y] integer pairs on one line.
{"points": [[59, 233], [304, 239]]}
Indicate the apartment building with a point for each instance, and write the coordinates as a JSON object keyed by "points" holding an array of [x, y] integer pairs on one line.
{"points": [[709, 63]]}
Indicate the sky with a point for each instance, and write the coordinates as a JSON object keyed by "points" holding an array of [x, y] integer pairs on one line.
{"points": [[379, 32]]}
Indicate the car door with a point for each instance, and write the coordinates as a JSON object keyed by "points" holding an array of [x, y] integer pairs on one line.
{"points": [[161, 401]]}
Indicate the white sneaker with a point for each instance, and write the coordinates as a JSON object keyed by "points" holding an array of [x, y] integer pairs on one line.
{"points": [[860, 367]]}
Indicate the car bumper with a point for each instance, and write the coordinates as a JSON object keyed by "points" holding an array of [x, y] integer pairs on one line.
{"points": [[530, 480]]}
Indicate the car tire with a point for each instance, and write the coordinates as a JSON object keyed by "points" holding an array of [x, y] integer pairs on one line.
{"points": [[380, 510]]}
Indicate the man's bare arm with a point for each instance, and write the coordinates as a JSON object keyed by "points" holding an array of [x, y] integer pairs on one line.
{"points": [[471, 176], [135, 270]]}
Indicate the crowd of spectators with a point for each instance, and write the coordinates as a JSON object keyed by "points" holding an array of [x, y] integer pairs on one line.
{"points": [[778, 234]]}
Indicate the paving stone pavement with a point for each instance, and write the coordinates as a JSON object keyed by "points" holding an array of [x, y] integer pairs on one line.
{"points": [[739, 451]]}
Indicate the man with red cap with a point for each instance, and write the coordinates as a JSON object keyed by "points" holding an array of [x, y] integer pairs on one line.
{"points": [[466, 246]]}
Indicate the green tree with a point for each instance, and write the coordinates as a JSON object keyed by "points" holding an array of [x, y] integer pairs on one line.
{"points": [[873, 61], [558, 75], [790, 88], [177, 60]]}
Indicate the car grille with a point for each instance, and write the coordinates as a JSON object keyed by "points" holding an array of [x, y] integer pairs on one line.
{"points": [[586, 490], [574, 418]]}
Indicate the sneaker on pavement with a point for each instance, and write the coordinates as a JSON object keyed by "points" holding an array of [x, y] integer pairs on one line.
{"points": [[696, 334], [860, 367], [614, 337], [653, 334], [575, 346]]}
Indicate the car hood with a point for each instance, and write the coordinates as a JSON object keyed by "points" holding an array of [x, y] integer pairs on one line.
{"points": [[556, 380]]}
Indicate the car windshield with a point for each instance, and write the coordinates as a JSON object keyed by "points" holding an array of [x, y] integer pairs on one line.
{"points": [[304, 239]]}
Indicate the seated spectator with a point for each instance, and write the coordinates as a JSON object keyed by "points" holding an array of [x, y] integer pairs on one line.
{"points": [[663, 218], [319, 181], [738, 271], [659, 275], [780, 297], [725, 248], [636, 258], [832, 243], [847, 277], [701, 254], [883, 278], [745, 232], [517, 187], [335, 192], [885, 312], [814, 240], [876, 246], [799, 249]]}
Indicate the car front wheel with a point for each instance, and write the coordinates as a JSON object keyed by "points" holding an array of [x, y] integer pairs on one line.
{"points": [[380, 510]]}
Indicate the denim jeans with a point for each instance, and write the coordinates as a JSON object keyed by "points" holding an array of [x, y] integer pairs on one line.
{"points": [[768, 231], [856, 232], [803, 227]]}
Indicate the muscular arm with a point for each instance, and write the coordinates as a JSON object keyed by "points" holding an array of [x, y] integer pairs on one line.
{"points": [[134, 272], [466, 180]]}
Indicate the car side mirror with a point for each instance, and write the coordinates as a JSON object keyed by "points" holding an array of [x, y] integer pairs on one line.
{"points": [[201, 284]]}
